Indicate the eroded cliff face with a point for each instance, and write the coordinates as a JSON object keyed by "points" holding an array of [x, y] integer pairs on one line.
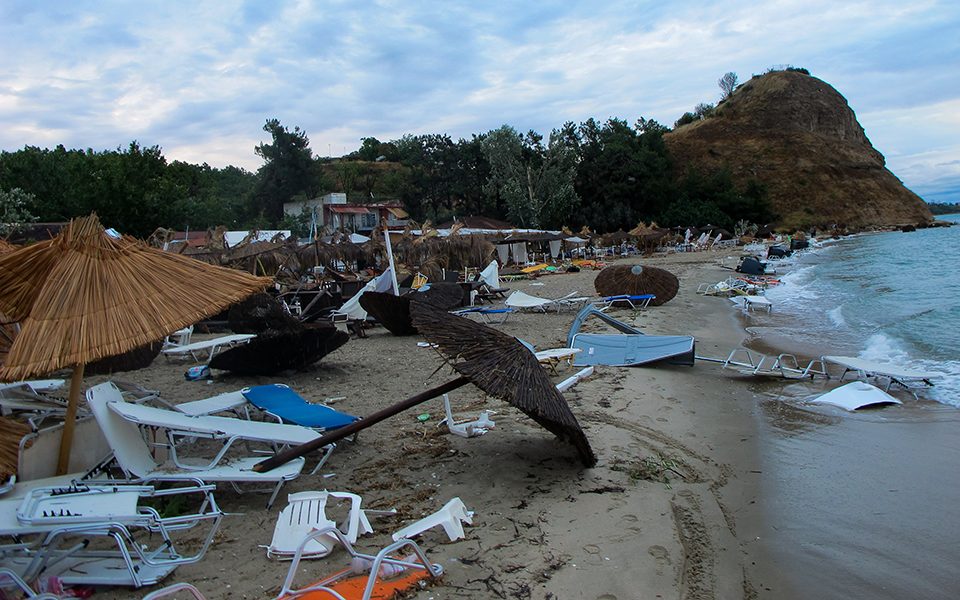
{"points": [[797, 135]]}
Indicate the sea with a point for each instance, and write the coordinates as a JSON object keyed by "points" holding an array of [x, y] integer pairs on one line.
{"points": [[863, 504], [887, 297]]}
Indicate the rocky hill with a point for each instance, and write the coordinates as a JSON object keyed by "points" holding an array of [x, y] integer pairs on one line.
{"points": [[797, 135]]}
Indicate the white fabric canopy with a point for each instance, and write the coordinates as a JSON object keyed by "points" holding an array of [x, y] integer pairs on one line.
{"points": [[503, 253], [380, 283], [519, 251], [554, 248], [491, 275]]}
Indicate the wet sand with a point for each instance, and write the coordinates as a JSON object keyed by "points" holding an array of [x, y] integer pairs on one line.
{"points": [[856, 505]]}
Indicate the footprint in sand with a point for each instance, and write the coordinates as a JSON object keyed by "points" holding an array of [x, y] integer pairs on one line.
{"points": [[606, 597], [662, 556], [591, 549]]}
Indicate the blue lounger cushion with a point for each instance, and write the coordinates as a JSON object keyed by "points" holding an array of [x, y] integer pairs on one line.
{"points": [[278, 399]]}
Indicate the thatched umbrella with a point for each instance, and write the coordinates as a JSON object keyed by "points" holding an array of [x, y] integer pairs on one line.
{"points": [[634, 280], [6, 246], [495, 362], [85, 295], [281, 351], [11, 433], [393, 312]]}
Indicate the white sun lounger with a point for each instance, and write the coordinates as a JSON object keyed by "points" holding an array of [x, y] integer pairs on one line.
{"points": [[893, 374], [208, 347], [45, 523], [132, 455], [748, 303], [524, 301], [552, 357]]}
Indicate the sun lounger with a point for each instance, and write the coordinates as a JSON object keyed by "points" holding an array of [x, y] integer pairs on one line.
{"points": [[892, 374], [749, 303], [208, 347], [280, 401], [552, 357], [133, 458], [636, 302], [49, 526], [523, 301]]}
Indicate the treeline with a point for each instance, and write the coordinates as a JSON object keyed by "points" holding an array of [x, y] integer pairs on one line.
{"points": [[943, 208], [608, 176]]}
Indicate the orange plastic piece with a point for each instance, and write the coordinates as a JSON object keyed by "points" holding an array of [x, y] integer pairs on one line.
{"points": [[385, 589]]}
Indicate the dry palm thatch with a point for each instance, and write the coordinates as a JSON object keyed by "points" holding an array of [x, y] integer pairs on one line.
{"points": [[635, 280], [11, 432], [284, 351], [6, 246], [393, 312], [259, 313], [8, 331], [501, 366], [586, 233], [85, 295], [131, 360], [443, 295]]}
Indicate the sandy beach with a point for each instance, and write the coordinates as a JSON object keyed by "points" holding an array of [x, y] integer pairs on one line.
{"points": [[670, 510]]}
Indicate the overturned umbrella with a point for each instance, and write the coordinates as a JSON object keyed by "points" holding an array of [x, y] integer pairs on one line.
{"points": [[493, 361], [632, 280]]}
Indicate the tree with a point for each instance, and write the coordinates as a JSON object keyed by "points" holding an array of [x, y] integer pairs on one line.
{"points": [[535, 181], [288, 170], [727, 84], [15, 210]]}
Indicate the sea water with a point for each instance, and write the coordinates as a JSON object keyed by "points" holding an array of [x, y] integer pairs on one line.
{"points": [[865, 504], [888, 297]]}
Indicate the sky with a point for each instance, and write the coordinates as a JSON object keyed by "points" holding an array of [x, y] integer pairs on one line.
{"points": [[200, 79]]}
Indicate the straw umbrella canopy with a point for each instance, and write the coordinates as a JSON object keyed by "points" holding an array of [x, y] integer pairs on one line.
{"points": [[495, 362], [87, 294], [501, 366], [634, 280], [11, 433]]}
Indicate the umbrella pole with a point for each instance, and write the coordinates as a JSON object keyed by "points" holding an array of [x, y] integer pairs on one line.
{"points": [[286, 456], [70, 420]]}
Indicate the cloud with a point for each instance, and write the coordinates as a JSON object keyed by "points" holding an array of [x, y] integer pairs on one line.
{"points": [[201, 79]]}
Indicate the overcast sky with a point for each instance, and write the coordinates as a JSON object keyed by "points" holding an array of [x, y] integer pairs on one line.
{"points": [[200, 79]]}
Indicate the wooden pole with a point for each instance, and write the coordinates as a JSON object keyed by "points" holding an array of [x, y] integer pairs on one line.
{"points": [[286, 456], [70, 420]]}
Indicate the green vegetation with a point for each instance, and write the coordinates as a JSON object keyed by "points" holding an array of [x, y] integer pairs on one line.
{"points": [[608, 176], [943, 208]]}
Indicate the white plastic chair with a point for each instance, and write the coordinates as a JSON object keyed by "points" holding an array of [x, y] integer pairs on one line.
{"points": [[451, 517], [306, 513]]}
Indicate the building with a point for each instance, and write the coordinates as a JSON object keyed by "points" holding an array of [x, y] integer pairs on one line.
{"points": [[332, 212]]}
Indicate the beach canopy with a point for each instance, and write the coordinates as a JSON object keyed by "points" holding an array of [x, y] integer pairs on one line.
{"points": [[633, 280], [501, 366], [89, 293]]}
